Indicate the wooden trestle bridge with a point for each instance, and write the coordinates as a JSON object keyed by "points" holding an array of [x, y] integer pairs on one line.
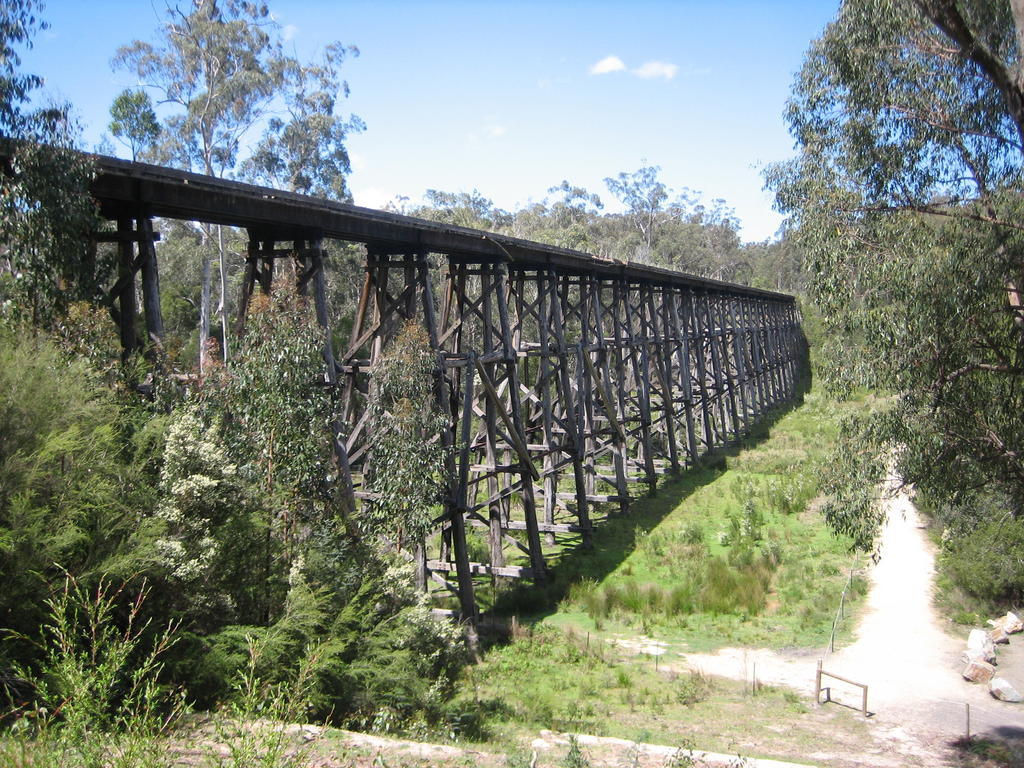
{"points": [[568, 379]]}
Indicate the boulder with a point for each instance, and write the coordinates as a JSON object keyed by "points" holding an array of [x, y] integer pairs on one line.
{"points": [[980, 646], [1012, 623], [1003, 691], [998, 636], [978, 672]]}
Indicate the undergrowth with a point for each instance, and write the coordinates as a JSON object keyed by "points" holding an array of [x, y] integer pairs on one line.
{"points": [[565, 681], [97, 700]]}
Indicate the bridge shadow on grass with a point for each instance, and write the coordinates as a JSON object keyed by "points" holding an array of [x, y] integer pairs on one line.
{"points": [[615, 536]]}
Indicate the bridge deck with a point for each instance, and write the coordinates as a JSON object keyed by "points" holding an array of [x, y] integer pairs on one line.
{"points": [[121, 186]]}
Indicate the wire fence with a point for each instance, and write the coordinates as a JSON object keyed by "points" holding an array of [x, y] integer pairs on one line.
{"points": [[840, 613]]}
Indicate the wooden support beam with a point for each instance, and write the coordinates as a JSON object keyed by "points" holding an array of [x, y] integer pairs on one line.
{"points": [[457, 510], [529, 471], [150, 286], [485, 569], [607, 403], [125, 287]]}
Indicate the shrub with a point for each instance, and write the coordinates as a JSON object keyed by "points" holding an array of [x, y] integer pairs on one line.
{"points": [[726, 589], [692, 688], [97, 699], [70, 491], [988, 562], [693, 533], [575, 757]]}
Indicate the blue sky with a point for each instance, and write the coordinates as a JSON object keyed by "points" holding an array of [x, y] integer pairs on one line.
{"points": [[509, 98]]}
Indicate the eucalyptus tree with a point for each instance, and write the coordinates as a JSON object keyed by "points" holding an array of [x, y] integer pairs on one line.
{"points": [[133, 121], [305, 151], [221, 62], [463, 209], [222, 66], [907, 198], [569, 216], [645, 196]]}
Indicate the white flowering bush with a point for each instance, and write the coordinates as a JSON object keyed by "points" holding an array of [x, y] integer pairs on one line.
{"points": [[205, 508]]}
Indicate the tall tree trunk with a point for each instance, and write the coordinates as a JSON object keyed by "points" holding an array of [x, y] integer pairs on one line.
{"points": [[222, 306], [204, 303]]}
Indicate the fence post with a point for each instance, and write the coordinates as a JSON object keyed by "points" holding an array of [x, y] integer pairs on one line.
{"points": [[817, 684]]}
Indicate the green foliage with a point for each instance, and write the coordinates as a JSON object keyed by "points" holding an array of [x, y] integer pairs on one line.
{"points": [[253, 726], [224, 505], [693, 688], [280, 410], [904, 198], [97, 700], [45, 211], [645, 197], [399, 660], [852, 478], [306, 152], [71, 486], [575, 758], [675, 229], [220, 67], [988, 561], [662, 226], [406, 454], [463, 209], [133, 121], [565, 222], [214, 529]]}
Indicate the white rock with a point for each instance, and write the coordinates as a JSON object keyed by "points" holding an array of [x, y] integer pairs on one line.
{"points": [[978, 642], [1012, 623], [1002, 690], [999, 636], [978, 672]]}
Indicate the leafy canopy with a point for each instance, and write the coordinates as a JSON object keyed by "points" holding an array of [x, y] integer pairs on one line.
{"points": [[133, 121], [45, 210], [906, 198]]}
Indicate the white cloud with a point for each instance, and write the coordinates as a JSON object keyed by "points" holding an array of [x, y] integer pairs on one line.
{"points": [[494, 131], [652, 69], [606, 65], [289, 32]]}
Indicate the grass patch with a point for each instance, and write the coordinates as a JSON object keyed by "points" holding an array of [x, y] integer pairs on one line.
{"points": [[562, 680], [735, 553], [987, 753]]}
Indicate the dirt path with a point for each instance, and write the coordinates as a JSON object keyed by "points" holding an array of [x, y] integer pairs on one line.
{"points": [[910, 663]]}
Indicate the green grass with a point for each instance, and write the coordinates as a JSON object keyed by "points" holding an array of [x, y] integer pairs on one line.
{"points": [[734, 553], [562, 680], [729, 554]]}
